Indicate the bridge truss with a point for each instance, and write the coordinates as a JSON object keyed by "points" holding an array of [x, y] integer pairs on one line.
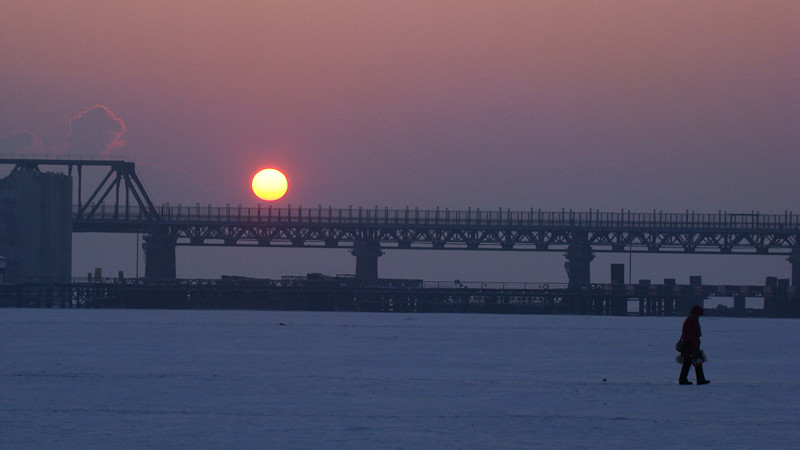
{"points": [[120, 204], [534, 230], [120, 195]]}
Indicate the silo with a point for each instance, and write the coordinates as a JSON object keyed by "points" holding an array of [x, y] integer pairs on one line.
{"points": [[36, 225]]}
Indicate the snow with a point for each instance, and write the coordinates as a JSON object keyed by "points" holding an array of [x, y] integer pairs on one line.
{"points": [[267, 379]]}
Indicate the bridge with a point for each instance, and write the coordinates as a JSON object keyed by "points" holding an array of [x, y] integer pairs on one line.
{"points": [[120, 204]]}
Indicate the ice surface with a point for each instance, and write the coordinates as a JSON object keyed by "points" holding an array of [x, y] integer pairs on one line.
{"points": [[247, 379]]}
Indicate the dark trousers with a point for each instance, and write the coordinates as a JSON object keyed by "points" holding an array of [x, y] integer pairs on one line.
{"points": [[698, 370]]}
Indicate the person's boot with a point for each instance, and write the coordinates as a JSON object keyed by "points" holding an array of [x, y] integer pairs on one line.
{"points": [[701, 378]]}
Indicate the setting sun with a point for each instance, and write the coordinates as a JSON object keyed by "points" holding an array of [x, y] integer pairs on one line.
{"points": [[270, 184]]}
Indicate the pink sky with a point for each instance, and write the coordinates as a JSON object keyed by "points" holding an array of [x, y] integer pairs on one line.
{"points": [[605, 105]]}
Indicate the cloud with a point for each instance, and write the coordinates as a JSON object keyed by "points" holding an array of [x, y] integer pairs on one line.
{"points": [[17, 140], [96, 130]]}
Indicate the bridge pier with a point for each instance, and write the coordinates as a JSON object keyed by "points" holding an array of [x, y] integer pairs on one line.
{"points": [[794, 259], [619, 300], [366, 253], [579, 256], [739, 305], [159, 253]]}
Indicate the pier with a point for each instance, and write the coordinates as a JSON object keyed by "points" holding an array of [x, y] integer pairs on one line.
{"points": [[317, 292]]}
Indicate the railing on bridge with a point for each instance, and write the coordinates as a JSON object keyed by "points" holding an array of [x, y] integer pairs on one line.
{"points": [[787, 221]]}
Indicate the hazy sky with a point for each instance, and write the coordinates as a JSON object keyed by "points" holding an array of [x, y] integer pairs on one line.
{"points": [[519, 104]]}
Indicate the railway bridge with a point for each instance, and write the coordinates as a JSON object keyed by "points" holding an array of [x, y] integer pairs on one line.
{"points": [[120, 204]]}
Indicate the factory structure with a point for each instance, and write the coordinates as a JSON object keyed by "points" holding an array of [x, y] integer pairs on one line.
{"points": [[35, 226]]}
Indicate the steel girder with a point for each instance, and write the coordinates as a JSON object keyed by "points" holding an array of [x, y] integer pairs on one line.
{"points": [[489, 237], [120, 194]]}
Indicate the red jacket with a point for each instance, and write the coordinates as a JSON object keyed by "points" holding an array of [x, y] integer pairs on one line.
{"points": [[691, 335]]}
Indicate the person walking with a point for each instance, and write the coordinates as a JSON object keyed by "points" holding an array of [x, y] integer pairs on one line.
{"points": [[690, 335]]}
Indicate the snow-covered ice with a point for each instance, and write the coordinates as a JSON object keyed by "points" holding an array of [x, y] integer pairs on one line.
{"points": [[267, 379]]}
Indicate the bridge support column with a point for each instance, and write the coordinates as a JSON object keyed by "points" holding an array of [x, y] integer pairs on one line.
{"points": [[619, 299], [794, 259], [367, 253], [739, 305], [579, 256], [159, 253], [578, 269]]}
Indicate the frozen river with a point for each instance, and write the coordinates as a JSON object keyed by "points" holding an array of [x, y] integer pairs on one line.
{"points": [[261, 379]]}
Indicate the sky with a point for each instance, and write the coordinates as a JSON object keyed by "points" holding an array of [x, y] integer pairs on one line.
{"points": [[606, 105]]}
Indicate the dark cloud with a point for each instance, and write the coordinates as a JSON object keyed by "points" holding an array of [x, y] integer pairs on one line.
{"points": [[18, 140], [96, 130]]}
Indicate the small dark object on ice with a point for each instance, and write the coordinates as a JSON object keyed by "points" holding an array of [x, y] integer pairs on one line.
{"points": [[282, 324]]}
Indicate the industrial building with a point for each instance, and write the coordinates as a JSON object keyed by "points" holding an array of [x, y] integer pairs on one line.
{"points": [[36, 226]]}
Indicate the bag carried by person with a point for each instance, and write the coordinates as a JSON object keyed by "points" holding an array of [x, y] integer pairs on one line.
{"points": [[699, 357], [680, 346]]}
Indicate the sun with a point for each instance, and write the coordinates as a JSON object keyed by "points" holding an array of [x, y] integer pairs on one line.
{"points": [[270, 184]]}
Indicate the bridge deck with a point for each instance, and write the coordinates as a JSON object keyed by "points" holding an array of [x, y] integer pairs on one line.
{"points": [[721, 221], [471, 229]]}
